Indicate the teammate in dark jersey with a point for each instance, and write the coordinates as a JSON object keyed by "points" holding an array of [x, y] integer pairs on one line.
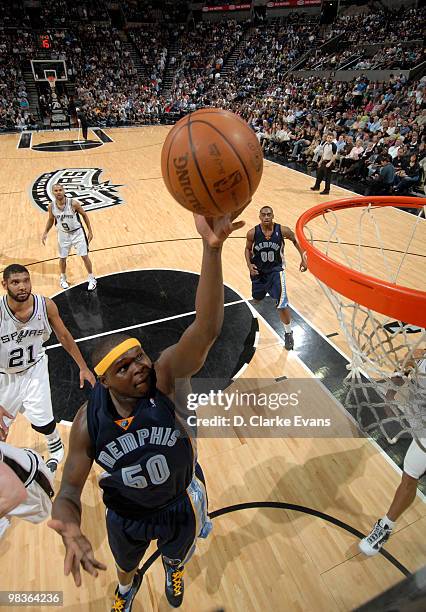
{"points": [[153, 488], [264, 257]]}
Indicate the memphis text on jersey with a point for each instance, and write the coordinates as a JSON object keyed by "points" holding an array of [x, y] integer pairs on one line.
{"points": [[128, 442]]}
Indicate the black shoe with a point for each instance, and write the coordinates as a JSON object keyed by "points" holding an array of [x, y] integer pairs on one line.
{"points": [[123, 603], [314, 188], [288, 341], [324, 192], [174, 586]]}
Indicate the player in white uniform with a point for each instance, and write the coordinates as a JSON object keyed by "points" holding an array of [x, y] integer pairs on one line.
{"points": [[414, 469], [65, 212], [26, 322], [26, 485]]}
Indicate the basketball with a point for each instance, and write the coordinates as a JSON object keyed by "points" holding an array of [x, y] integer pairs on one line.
{"points": [[212, 162]]}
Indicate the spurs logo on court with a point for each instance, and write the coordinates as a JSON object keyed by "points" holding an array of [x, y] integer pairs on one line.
{"points": [[81, 184]]}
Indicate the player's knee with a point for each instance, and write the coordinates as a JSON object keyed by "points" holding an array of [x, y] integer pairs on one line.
{"points": [[45, 429]]}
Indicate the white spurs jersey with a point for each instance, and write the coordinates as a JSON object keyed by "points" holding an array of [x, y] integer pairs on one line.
{"points": [[21, 344], [67, 219]]}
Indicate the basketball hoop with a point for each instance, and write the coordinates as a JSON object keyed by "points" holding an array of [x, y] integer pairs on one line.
{"points": [[52, 82], [366, 279]]}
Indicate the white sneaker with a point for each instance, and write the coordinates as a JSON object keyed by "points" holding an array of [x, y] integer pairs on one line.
{"points": [[4, 525], [92, 284], [56, 449], [372, 544], [64, 283]]}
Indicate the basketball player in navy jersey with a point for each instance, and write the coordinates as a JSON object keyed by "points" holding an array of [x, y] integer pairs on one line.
{"points": [[264, 256], [153, 487]]}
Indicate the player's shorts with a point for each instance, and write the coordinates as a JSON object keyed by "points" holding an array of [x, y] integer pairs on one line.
{"points": [[415, 459], [38, 505], [176, 527], [272, 283], [67, 240], [28, 392]]}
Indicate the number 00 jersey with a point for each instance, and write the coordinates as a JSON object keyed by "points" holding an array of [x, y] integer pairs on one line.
{"points": [[67, 219], [21, 344], [148, 459], [267, 254]]}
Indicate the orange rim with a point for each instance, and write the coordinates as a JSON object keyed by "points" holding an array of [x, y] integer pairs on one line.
{"points": [[396, 301]]}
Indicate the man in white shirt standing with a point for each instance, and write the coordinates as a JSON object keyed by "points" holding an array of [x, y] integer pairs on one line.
{"points": [[325, 165]]}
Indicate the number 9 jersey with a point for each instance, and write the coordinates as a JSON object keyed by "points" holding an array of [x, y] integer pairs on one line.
{"points": [[21, 344]]}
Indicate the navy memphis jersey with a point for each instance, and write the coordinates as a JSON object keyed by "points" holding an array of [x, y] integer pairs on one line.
{"points": [[267, 253], [148, 459]]}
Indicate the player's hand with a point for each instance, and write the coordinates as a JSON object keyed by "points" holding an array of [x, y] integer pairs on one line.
{"points": [[253, 270], [86, 374], [215, 230], [303, 266], [89, 237], [78, 551], [4, 429], [44, 238]]}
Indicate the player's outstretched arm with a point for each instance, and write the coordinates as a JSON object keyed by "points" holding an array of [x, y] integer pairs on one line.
{"points": [[248, 253], [189, 354], [12, 490], [66, 510], [68, 342], [49, 224], [290, 235]]}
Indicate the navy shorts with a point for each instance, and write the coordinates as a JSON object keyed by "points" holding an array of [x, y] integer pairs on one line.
{"points": [[176, 528], [272, 283]]}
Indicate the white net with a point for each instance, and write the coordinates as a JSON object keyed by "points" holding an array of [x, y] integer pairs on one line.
{"points": [[387, 372]]}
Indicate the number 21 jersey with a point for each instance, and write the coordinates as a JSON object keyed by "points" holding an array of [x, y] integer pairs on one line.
{"points": [[21, 344]]}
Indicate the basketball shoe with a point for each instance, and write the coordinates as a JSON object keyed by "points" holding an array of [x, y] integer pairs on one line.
{"points": [[123, 603], [55, 447], [64, 283], [91, 284], [378, 536], [174, 586], [289, 341]]}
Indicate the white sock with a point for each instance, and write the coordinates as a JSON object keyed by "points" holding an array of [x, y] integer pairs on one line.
{"points": [[287, 327], [124, 588], [386, 521], [53, 436], [91, 277]]}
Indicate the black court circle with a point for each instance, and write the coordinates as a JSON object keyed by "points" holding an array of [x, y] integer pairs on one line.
{"points": [[155, 306], [62, 146]]}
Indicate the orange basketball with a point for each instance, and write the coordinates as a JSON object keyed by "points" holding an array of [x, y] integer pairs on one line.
{"points": [[212, 162]]}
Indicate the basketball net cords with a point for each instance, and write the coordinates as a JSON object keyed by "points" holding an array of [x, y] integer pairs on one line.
{"points": [[376, 351]]}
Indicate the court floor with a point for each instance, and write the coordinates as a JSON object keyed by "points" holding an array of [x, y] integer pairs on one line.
{"points": [[293, 507]]}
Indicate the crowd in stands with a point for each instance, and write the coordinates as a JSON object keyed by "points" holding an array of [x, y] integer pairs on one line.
{"points": [[396, 57], [60, 13], [152, 45], [201, 55], [14, 105], [383, 26], [155, 11], [291, 116], [385, 125]]}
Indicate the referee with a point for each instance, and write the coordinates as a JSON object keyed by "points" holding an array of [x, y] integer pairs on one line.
{"points": [[82, 120], [325, 165]]}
